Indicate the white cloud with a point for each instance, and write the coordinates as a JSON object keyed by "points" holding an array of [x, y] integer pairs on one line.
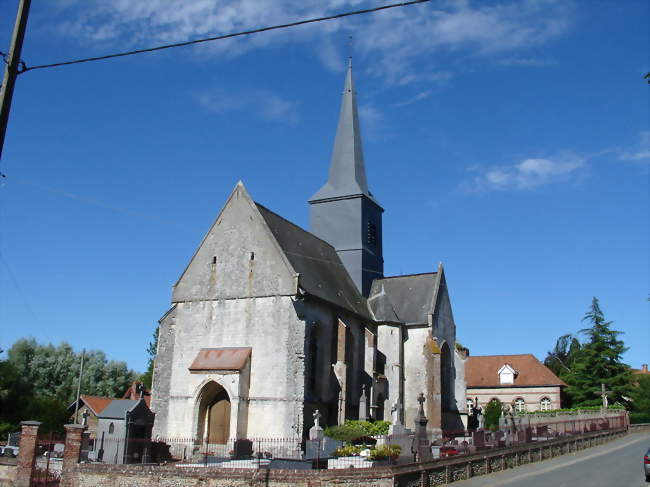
{"points": [[260, 103], [372, 121], [524, 175], [527, 61], [418, 97], [641, 152], [398, 41]]}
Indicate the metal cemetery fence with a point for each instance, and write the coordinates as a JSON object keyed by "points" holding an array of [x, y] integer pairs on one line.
{"points": [[49, 456], [368, 452]]}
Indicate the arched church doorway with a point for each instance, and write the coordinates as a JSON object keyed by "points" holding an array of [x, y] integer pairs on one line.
{"points": [[446, 379], [213, 423]]}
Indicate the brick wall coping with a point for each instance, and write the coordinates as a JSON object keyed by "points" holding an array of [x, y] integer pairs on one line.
{"points": [[498, 452], [8, 461], [74, 426], [30, 423]]}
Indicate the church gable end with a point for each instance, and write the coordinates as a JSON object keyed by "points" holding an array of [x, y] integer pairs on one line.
{"points": [[238, 258]]}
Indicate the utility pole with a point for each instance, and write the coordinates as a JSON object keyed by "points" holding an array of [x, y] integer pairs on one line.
{"points": [[11, 69], [81, 373]]}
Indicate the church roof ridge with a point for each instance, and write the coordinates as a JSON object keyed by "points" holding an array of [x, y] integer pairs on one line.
{"points": [[508, 355], [409, 275]]}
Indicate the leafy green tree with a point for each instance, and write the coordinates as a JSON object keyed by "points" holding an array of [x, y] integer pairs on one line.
{"points": [[492, 413], [598, 362], [640, 395], [39, 382], [54, 371], [152, 349], [564, 354]]}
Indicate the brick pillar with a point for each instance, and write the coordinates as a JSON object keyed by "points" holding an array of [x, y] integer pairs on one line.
{"points": [[27, 453], [73, 434]]}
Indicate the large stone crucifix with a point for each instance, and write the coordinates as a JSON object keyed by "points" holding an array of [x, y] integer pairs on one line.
{"points": [[603, 395]]}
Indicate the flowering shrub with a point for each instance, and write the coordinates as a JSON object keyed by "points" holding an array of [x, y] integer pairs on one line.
{"points": [[385, 452], [348, 451]]}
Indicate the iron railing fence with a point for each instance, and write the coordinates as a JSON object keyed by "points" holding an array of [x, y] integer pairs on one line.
{"points": [[298, 453], [48, 461]]}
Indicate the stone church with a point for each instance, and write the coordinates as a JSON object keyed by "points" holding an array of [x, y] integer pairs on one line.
{"points": [[270, 322]]}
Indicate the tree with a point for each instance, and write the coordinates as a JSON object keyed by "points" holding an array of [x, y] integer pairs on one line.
{"points": [[561, 358], [152, 349], [39, 382], [598, 362], [640, 395], [54, 371], [492, 414]]}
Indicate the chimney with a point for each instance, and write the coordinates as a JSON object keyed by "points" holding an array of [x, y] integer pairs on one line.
{"points": [[644, 368]]}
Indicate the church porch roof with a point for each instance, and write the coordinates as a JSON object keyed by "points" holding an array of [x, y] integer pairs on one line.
{"points": [[226, 358]]}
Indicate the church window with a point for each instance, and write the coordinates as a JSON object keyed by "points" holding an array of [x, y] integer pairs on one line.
{"points": [[214, 260], [111, 429], [545, 404], [372, 234], [252, 255], [520, 405]]}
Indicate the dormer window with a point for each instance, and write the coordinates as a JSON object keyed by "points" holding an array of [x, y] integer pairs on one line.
{"points": [[507, 374]]}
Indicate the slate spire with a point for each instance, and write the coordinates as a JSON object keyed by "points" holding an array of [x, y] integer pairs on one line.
{"points": [[347, 175], [344, 212]]}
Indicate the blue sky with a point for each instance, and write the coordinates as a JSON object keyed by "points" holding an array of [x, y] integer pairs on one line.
{"points": [[509, 140]]}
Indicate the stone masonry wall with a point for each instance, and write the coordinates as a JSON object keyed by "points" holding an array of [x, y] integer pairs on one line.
{"points": [[276, 335], [8, 470], [135, 476]]}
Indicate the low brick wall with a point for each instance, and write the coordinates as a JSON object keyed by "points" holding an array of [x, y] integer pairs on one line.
{"points": [[442, 472], [96, 475], [8, 469], [639, 427], [427, 474]]}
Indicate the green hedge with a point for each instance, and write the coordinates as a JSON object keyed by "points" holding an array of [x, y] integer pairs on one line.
{"points": [[613, 407], [639, 418], [353, 429]]}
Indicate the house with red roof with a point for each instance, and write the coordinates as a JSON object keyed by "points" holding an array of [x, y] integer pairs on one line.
{"points": [[521, 381], [89, 408]]}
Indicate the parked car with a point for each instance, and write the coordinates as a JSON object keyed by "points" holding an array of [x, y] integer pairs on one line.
{"points": [[646, 465]]}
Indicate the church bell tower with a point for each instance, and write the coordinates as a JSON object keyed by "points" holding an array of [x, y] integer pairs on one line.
{"points": [[344, 212]]}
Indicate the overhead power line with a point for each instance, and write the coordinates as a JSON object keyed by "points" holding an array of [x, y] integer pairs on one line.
{"points": [[221, 37]]}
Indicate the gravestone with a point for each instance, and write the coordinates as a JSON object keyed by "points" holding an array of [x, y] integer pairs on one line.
{"points": [[528, 434], [363, 404], [243, 449], [421, 446], [478, 439], [316, 431]]}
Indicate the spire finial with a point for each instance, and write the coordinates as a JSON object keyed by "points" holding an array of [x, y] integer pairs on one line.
{"points": [[350, 51]]}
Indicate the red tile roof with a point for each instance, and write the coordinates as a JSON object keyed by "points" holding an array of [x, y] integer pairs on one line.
{"points": [[221, 359], [96, 403], [481, 371], [132, 393]]}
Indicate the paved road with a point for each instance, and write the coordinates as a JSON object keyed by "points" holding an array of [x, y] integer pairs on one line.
{"points": [[616, 464]]}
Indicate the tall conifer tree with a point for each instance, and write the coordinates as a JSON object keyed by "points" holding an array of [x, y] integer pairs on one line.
{"points": [[599, 362]]}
